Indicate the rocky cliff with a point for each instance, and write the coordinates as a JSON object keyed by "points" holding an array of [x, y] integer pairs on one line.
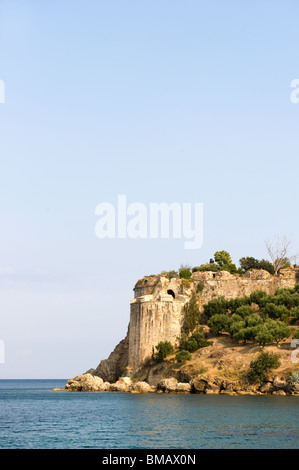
{"points": [[114, 367]]}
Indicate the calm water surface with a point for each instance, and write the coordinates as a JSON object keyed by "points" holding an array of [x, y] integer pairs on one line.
{"points": [[32, 415]]}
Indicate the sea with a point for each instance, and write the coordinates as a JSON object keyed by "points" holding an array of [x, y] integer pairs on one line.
{"points": [[33, 416]]}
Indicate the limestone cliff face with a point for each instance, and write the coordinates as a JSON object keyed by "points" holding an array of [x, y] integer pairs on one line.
{"points": [[156, 312], [115, 366]]}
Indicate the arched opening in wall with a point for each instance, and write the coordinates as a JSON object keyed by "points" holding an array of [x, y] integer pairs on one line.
{"points": [[214, 276], [170, 292]]}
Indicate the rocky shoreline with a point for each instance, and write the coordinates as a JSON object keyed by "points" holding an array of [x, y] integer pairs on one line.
{"points": [[202, 385]]}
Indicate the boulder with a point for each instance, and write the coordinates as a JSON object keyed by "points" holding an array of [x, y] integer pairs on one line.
{"points": [[266, 388], [183, 387], [279, 393], [121, 386], [294, 389], [227, 392], [229, 386], [279, 384], [126, 381], [198, 385], [212, 389], [141, 387], [85, 383], [168, 385]]}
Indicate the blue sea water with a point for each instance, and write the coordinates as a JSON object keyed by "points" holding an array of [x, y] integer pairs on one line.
{"points": [[32, 415]]}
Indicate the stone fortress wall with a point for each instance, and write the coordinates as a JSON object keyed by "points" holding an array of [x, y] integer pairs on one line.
{"points": [[156, 312], [157, 309]]}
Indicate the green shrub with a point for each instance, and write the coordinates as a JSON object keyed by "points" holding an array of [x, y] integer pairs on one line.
{"points": [[169, 274], [296, 334], [235, 326], [164, 348], [276, 311], [262, 335], [200, 339], [234, 304], [262, 366], [259, 297], [195, 342], [282, 299], [294, 300], [215, 306], [244, 311], [218, 323], [185, 272], [244, 329], [207, 267], [283, 291], [249, 262], [244, 334], [277, 329], [183, 341], [222, 258], [224, 261], [192, 345], [183, 356], [294, 313], [200, 287], [253, 320]]}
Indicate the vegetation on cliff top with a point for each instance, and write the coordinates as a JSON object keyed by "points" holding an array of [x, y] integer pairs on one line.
{"points": [[278, 251], [268, 322]]}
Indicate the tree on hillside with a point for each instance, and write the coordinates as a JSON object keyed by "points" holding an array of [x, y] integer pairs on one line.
{"points": [[264, 364], [191, 314], [164, 348], [249, 262], [278, 250], [222, 258]]}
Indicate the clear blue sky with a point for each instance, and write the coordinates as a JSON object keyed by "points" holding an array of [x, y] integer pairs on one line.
{"points": [[161, 100]]}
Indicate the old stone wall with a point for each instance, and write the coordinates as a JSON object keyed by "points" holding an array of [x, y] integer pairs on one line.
{"points": [[158, 316], [151, 321], [156, 312], [230, 286]]}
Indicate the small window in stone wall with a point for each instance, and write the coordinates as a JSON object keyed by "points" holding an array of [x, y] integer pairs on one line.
{"points": [[170, 292]]}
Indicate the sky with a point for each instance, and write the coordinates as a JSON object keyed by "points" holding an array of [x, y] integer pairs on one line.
{"points": [[161, 101]]}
